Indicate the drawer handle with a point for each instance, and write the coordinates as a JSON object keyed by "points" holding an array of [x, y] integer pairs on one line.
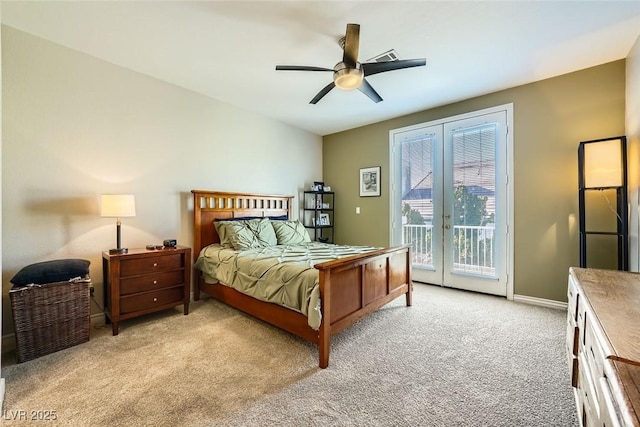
{"points": [[155, 300], [155, 282], [155, 264]]}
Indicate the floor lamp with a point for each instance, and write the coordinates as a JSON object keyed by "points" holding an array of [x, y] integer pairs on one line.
{"points": [[602, 166]]}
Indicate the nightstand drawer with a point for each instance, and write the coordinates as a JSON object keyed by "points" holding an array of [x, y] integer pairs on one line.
{"points": [[150, 282], [151, 299], [137, 266]]}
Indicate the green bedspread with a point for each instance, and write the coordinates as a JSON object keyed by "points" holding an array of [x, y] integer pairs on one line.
{"points": [[281, 274]]}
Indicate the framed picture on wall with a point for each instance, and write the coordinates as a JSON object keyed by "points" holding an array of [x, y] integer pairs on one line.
{"points": [[370, 181]]}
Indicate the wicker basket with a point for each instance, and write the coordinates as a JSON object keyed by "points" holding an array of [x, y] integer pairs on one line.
{"points": [[50, 317]]}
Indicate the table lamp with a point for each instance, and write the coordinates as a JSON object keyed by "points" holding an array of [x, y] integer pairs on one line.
{"points": [[118, 206]]}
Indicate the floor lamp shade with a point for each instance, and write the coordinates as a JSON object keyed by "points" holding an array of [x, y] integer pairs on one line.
{"points": [[604, 163], [118, 206]]}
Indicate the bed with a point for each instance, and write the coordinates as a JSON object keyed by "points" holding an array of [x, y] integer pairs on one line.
{"points": [[349, 288]]}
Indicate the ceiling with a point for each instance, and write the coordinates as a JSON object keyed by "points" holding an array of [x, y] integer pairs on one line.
{"points": [[229, 50]]}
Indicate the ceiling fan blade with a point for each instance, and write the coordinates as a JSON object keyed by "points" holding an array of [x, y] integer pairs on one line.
{"points": [[301, 68], [322, 93], [368, 90], [371, 68], [351, 45]]}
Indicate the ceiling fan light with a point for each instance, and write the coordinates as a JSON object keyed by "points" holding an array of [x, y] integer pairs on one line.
{"points": [[348, 78]]}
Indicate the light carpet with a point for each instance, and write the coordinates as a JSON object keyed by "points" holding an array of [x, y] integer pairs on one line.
{"points": [[452, 359]]}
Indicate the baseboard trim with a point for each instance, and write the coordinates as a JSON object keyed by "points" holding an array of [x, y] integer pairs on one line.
{"points": [[97, 319], [540, 301]]}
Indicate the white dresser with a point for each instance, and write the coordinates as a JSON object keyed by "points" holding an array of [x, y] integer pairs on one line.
{"points": [[603, 346]]}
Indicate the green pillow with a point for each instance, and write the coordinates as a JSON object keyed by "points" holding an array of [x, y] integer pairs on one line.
{"points": [[290, 232], [223, 228], [255, 233]]}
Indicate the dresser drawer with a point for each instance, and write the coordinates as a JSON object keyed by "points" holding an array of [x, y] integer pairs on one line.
{"points": [[137, 266], [572, 340], [572, 296], [150, 282], [595, 353], [593, 348], [149, 300], [590, 404], [571, 348], [581, 317], [574, 370], [608, 408]]}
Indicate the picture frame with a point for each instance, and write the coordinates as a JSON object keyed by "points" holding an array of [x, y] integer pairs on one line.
{"points": [[324, 219], [370, 182]]}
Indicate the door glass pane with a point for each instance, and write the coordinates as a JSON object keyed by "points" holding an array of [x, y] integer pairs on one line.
{"points": [[417, 157], [473, 210]]}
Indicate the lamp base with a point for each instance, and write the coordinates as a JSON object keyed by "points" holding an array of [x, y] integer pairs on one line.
{"points": [[118, 251]]}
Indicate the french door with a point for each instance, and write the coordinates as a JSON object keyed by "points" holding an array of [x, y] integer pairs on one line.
{"points": [[450, 200]]}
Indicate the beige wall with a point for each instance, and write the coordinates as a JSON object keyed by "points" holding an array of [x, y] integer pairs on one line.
{"points": [[550, 118], [633, 135], [76, 127]]}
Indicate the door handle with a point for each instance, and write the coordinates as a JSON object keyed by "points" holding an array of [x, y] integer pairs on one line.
{"points": [[447, 226]]}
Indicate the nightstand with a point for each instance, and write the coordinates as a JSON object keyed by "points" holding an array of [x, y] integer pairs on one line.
{"points": [[144, 281]]}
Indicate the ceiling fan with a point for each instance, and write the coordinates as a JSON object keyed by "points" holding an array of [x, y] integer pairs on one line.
{"points": [[350, 74]]}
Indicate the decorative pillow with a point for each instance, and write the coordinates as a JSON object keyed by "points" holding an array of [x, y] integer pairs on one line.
{"points": [[290, 232], [263, 231], [224, 232], [58, 270], [246, 234], [266, 234]]}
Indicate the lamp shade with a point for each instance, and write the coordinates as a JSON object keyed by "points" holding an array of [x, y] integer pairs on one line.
{"points": [[118, 205], [604, 164]]}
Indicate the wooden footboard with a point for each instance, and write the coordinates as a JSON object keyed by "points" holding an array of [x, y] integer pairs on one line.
{"points": [[350, 288], [353, 287]]}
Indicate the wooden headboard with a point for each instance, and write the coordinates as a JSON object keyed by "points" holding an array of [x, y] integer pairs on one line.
{"points": [[211, 205]]}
